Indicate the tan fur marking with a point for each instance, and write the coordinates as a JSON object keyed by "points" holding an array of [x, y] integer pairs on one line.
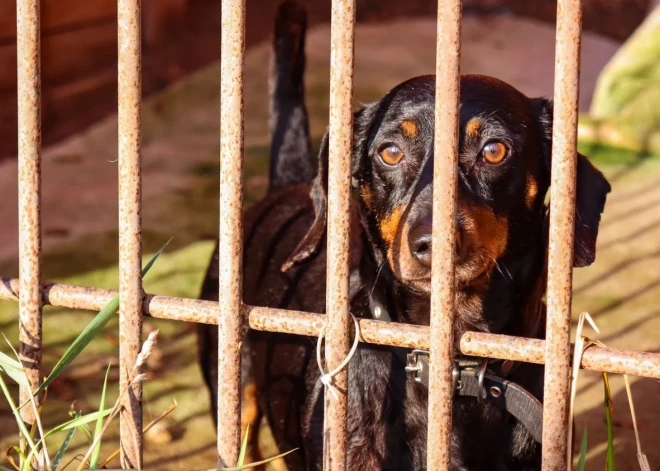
{"points": [[473, 127], [390, 225], [492, 231], [409, 128], [250, 417], [531, 191], [366, 196]]}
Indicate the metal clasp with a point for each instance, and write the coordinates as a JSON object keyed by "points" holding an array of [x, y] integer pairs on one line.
{"points": [[475, 366], [415, 365]]}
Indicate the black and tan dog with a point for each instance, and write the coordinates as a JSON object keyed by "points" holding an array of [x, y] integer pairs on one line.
{"points": [[501, 241]]}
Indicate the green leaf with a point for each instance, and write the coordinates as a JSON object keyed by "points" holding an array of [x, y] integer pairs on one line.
{"points": [[13, 369], [91, 331], [64, 447], [77, 422], [258, 463], [94, 460], [71, 424], [609, 411], [17, 414], [583, 451], [241, 455]]}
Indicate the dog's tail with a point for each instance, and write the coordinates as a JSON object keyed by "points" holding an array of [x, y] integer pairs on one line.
{"points": [[291, 158]]}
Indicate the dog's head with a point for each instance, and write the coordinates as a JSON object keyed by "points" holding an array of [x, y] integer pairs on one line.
{"points": [[504, 175]]}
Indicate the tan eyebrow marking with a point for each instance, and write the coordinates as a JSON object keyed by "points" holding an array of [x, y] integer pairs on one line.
{"points": [[409, 128], [473, 127]]}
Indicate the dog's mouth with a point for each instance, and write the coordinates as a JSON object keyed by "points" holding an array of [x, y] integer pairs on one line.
{"points": [[467, 274], [412, 266]]}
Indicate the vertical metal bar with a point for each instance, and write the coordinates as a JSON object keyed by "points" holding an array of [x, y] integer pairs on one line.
{"points": [[562, 221], [444, 226], [29, 193], [130, 248], [339, 177], [231, 230]]}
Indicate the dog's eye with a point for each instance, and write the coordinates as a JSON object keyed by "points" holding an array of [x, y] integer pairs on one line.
{"points": [[494, 152], [391, 155]]}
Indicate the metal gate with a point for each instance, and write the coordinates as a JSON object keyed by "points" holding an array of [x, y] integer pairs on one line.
{"points": [[554, 352]]}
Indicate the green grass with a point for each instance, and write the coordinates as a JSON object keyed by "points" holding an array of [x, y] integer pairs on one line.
{"points": [[601, 154]]}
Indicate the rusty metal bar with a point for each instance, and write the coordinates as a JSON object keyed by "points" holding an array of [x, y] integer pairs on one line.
{"points": [[645, 364], [445, 171], [562, 221], [231, 231], [611, 360], [339, 175], [130, 226], [29, 194]]}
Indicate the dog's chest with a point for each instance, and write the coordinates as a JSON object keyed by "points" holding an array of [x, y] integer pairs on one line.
{"points": [[387, 422]]}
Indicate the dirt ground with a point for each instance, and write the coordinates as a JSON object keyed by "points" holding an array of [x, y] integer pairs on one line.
{"points": [[621, 290]]}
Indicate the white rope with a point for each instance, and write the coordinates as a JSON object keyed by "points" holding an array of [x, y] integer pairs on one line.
{"points": [[326, 378]]}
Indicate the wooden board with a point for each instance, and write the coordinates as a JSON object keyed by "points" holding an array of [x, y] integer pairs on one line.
{"points": [[58, 14]]}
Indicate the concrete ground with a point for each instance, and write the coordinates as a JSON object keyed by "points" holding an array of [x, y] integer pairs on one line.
{"points": [[180, 164]]}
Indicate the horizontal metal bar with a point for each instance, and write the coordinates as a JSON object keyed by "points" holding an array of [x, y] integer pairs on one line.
{"points": [[612, 360]]}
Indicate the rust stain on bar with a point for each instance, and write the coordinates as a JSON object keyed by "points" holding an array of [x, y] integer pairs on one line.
{"points": [[339, 174], [562, 220], [29, 193], [612, 360], [130, 247], [447, 67], [231, 230]]}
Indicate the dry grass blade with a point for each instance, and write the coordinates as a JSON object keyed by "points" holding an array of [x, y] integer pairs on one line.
{"points": [[147, 349], [641, 457], [581, 344], [43, 452], [162, 415], [10, 459], [115, 410]]}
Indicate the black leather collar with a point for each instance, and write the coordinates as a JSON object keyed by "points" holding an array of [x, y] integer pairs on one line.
{"points": [[475, 377]]}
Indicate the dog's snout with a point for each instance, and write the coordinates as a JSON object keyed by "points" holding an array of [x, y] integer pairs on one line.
{"points": [[420, 243]]}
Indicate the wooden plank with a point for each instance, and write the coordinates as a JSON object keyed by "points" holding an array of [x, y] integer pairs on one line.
{"points": [[58, 14], [67, 56], [64, 109]]}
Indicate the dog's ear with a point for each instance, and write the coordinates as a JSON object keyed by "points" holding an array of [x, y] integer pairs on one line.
{"points": [[311, 243], [591, 189]]}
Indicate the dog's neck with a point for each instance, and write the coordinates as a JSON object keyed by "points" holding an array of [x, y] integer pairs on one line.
{"points": [[508, 302]]}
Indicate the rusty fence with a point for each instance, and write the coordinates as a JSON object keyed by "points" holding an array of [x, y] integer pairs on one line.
{"points": [[231, 315]]}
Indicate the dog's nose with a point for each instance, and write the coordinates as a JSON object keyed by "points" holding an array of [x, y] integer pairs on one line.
{"points": [[419, 242]]}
